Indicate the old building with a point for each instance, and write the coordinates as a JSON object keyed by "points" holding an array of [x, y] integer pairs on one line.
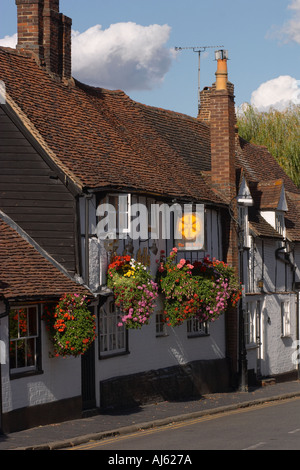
{"points": [[65, 150], [30, 279]]}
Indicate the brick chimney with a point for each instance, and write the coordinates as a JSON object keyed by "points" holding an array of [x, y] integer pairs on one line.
{"points": [[222, 122], [204, 111], [45, 34], [223, 131]]}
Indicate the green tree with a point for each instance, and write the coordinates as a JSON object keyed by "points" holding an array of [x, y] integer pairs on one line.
{"points": [[279, 131]]}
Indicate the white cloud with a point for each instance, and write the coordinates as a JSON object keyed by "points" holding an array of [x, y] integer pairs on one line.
{"points": [[125, 55], [278, 93], [9, 41], [290, 31]]}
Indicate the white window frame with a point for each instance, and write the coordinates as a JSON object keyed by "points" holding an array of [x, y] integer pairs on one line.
{"points": [[112, 338], [250, 319], [251, 286], [285, 318], [196, 328], [243, 217], [124, 215], [24, 338], [280, 223]]}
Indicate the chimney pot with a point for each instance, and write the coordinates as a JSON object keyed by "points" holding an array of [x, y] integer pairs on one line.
{"points": [[221, 73]]}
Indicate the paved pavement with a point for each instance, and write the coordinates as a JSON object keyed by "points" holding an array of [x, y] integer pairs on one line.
{"points": [[75, 432]]}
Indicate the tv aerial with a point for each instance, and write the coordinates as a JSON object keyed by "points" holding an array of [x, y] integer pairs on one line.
{"points": [[197, 49]]}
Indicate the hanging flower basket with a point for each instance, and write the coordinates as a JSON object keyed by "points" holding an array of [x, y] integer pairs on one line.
{"points": [[203, 290], [71, 325], [134, 290]]}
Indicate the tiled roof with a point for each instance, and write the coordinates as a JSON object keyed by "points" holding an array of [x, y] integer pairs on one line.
{"points": [[260, 166], [108, 140], [27, 274], [265, 178], [266, 195], [260, 227], [292, 218], [102, 139]]}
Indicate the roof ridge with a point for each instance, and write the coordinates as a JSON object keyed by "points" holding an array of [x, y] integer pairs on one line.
{"points": [[91, 88], [169, 112], [96, 90]]}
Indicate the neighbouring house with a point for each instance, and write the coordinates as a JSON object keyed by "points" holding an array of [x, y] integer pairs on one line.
{"points": [[79, 165], [35, 385]]}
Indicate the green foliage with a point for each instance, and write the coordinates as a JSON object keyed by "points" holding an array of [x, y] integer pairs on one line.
{"points": [[134, 290], [204, 289], [71, 325], [279, 131]]}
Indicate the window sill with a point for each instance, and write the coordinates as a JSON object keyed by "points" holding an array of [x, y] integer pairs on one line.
{"points": [[251, 346], [197, 335], [21, 375], [113, 354]]}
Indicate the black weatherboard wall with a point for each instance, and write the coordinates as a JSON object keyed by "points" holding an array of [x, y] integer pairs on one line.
{"points": [[33, 195]]}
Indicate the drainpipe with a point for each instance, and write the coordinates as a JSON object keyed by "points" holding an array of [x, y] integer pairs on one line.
{"points": [[296, 289], [87, 245], [285, 258], [243, 363]]}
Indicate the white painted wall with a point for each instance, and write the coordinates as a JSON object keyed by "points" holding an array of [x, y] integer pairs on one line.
{"points": [[149, 352], [270, 217], [276, 351], [61, 378]]}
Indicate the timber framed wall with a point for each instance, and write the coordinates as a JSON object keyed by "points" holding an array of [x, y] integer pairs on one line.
{"points": [[33, 195]]}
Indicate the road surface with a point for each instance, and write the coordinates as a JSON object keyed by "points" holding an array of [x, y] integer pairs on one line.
{"points": [[269, 426]]}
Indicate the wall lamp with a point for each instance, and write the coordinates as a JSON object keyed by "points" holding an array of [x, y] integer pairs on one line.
{"points": [[260, 284]]}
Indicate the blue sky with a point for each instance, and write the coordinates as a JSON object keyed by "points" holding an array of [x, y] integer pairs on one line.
{"points": [[127, 51]]}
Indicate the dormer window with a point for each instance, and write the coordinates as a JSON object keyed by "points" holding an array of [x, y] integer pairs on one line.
{"points": [[273, 204], [244, 226], [279, 223], [244, 200]]}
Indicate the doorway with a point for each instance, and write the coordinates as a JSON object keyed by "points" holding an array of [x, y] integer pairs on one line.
{"points": [[88, 391]]}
